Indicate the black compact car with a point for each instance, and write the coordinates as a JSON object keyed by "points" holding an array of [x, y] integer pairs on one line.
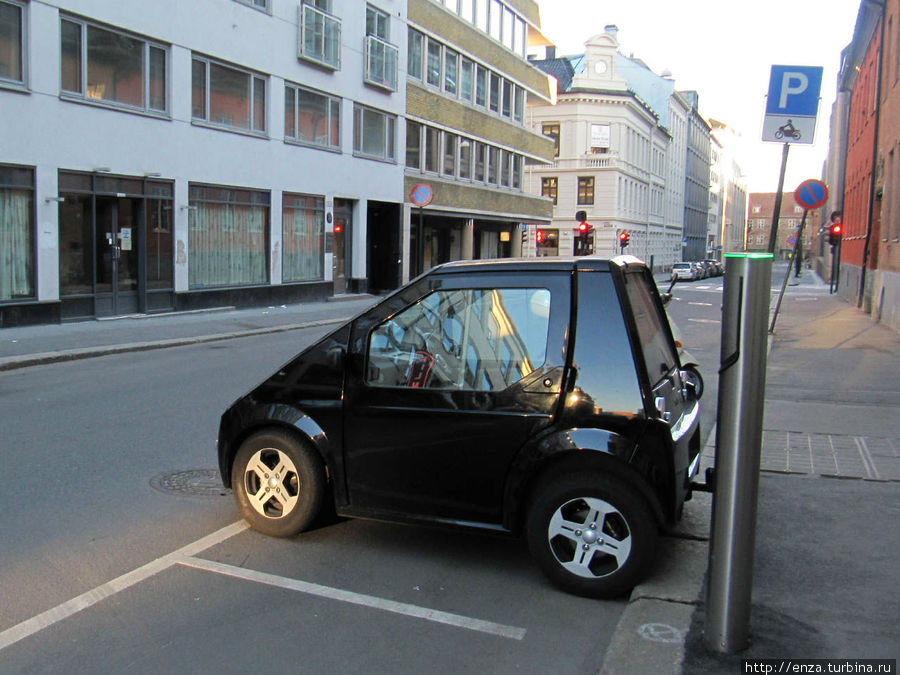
{"points": [[539, 397]]}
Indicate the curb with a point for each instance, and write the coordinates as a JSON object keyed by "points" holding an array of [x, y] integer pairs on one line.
{"points": [[43, 358]]}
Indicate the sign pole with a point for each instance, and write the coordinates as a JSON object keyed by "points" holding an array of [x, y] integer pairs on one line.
{"points": [[787, 275], [773, 233]]}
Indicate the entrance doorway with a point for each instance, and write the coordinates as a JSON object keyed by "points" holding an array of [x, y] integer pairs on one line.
{"points": [[116, 290], [383, 259], [115, 245], [343, 223]]}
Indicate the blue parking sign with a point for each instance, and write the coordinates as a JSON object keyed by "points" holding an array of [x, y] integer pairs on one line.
{"points": [[792, 104]]}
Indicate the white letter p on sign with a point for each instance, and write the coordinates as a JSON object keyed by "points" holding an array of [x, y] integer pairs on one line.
{"points": [[792, 83]]}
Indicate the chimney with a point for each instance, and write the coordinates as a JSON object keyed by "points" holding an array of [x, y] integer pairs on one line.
{"points": [[612, 29], [550, 52]]}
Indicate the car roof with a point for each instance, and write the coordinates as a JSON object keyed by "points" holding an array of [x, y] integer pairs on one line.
{"points": [[595, 263]]}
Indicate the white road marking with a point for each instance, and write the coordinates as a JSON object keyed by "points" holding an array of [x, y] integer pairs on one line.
{"points": [[415, 611], [705, 320], [46, 619], [701, 304]]}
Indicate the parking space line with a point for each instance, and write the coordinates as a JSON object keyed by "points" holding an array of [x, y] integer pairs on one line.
{"points": [[46, 619], [414, 611]]}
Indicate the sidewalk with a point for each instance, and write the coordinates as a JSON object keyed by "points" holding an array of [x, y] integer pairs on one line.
{"points": [[826, 580], [34, 345]]}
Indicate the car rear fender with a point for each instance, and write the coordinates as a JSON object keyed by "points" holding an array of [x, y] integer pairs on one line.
{"points": [[577, 450]]}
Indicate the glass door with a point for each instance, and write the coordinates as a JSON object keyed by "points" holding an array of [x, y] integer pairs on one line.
{"points": [[116, 288]]}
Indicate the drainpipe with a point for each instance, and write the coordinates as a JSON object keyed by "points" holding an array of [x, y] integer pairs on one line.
{"points": [[870, 219]]}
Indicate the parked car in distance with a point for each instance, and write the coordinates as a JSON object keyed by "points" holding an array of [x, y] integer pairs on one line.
{"points": [[716, 269], [684, 270], [542, 398]]}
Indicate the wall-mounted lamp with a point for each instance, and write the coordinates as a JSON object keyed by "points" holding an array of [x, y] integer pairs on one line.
{"points": [[152, 174], [102, 169], [188, 207], [58, 200]]}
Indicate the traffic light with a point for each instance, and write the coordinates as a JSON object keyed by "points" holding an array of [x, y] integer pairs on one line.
{"points": [[623, 239], [583, 229], [835, 232], [539, 236]]}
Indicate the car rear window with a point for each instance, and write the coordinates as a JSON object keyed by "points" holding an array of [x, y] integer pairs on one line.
{"points": [[659, 353], [474, 339]]}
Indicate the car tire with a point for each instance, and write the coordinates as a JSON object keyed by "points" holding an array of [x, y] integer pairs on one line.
{"points": [[591, 534], [278, 483]]}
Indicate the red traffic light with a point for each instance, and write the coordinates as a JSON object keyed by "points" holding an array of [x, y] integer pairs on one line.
{"points": [[582, 227], [835, 232], [623, 239], [539, 236]]}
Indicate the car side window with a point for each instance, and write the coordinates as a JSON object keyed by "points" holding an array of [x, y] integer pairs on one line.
{"points": [[476, 339]]}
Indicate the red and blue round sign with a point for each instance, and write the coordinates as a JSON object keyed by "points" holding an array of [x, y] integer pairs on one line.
{"points": [[811, 194], [421, 194]]}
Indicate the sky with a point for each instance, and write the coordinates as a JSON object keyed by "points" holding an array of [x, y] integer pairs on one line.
{"points": [[724, 49]]}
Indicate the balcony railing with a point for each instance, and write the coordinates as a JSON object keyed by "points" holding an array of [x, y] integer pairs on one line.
{"points": [[381, 63], [320, 37]]}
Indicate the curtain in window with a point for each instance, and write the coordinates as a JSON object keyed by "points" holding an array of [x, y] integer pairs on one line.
{"points": [[302, 240], [16, 249], [227, 245]]}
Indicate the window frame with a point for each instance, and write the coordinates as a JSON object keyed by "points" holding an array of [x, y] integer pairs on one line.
{"points": [[585, 191], [266, 7], [81, 95], [550, 187], [379, 49], [308, 8], [253, 77], [22, 82], [334, 114], [390, 134], [31, 264]]}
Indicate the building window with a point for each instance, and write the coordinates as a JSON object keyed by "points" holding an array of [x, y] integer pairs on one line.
{"points": [[451, 71], [433, 73], [550, 187], [228, 97], [320, 35], [449, 168], [432, 149], [258, 4], [493, 164], [12, 43], [302, 238], [312, 118], [111, 67], [517, 161], [416, 45], [373, 133], [585, 190], [16, 233], [413, 145], [480, 86], [507, 98], [505, 166], [467, 71], [495, 93], [552, 130], [480, 150], [227, 240], [382, 58], [465, 158], [519, 113]]}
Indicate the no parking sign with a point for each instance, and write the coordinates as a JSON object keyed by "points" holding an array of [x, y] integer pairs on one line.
{"points": [[811, 194]]}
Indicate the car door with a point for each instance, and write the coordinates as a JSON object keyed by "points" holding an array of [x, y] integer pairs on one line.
{"points": [[443, 393]]}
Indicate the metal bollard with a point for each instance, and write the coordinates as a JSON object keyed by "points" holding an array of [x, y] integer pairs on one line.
{"points": [[742, 384]]}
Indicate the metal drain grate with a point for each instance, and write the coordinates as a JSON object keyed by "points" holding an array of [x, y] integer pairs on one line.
{"points": [[192, 483]]}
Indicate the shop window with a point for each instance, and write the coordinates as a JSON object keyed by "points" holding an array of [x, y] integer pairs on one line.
{"points": [[227, 240], [16, 233], [302, 238]]}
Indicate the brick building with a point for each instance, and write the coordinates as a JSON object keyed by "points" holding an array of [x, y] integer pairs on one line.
{"points": [[759, 223]]}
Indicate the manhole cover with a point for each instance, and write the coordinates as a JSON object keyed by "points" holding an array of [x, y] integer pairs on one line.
{"points": [[194, 483]]}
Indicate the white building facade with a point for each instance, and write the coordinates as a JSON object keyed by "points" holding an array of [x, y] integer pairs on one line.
{"points": [[618, 160], [175, 155]]}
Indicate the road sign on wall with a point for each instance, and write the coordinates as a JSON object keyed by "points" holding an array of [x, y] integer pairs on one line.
{"points": [[792, 104]]}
